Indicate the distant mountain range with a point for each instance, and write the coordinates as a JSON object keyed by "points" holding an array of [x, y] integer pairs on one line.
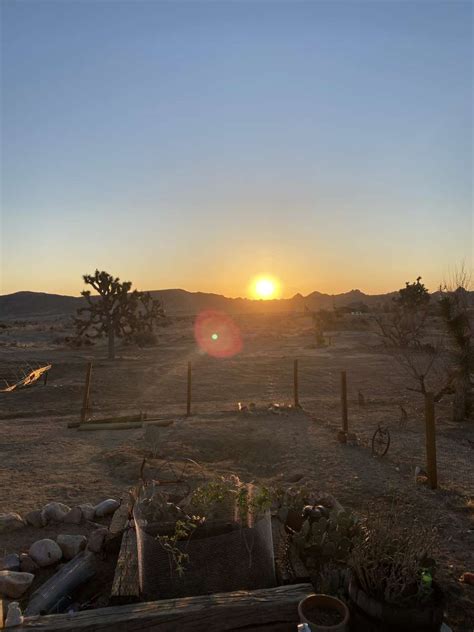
{"points": [[41, 305]]}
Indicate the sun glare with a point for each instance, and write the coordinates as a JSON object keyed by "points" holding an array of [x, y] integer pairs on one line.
{"points": [[265, 288]]}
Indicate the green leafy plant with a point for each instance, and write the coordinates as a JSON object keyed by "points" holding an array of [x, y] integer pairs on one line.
{"points": [[184, 529]]}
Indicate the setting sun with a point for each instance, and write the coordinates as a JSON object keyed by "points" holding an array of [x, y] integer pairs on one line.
{"points": [[265, 288]]}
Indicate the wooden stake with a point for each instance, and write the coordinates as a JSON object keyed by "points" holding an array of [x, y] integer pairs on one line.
{"points": [[188, 402], [430, 429], [295, 384], [85, 402], [345, 424]]}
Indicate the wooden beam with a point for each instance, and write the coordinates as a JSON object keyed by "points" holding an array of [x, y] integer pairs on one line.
{"points": [[265, 610], [110, 420], [120, 519], [125, 588], [110, 426]]}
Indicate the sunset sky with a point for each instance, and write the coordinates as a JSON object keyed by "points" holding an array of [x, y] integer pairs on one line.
{"points": [[200, 144]]}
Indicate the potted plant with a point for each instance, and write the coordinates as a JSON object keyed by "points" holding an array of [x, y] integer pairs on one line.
{"points": [[324, 613], [392, 574]]}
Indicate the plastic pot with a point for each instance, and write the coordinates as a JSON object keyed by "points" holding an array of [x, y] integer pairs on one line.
{"points": [[307, 608]]}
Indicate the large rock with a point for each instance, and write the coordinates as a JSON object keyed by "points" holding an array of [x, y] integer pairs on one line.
{"points": [[88, 511], [96, 539], [13, 584], [74, 516], [36, 519], [11, 521], [106, 507], [71, 545], [55, 512], [27, 565], [10, 562], [45, 552]]}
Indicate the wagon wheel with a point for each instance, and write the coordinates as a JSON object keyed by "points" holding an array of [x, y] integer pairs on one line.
{"points": [[380, 441]]}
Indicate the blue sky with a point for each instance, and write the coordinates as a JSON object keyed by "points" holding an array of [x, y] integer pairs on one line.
{"points": [[198, 144]]}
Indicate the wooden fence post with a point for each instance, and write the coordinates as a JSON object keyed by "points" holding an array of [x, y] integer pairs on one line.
{"points": [[295, 384], [345, 424], [188, 403], [430, 429], [85, 402]]}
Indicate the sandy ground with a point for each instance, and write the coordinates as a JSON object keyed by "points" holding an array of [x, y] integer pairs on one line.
{"points": [[42, 460]]}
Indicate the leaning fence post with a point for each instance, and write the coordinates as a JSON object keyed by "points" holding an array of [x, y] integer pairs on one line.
{"points": [[85, 402], [345, 425], [188, 401], [295, 384], [430, 430]]}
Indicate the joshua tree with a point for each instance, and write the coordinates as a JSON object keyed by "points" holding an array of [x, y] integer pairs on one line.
{"points": [[151, 311], [116, 311]]}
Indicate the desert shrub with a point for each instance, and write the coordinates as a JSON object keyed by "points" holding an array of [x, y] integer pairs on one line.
{"points": [[391, 557]]}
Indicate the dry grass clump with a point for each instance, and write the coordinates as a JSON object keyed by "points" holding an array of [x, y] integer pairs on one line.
{"points": [[391, 558]]}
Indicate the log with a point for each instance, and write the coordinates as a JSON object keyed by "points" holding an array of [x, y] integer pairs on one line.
{"points": [[265, 610], [111, 426], [70, 576]]}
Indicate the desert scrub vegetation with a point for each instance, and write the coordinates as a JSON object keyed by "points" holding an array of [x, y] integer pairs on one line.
{"points": [[391, 558]]}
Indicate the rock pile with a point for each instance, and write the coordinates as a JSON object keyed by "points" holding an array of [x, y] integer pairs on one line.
{"points": [[17, 571]]}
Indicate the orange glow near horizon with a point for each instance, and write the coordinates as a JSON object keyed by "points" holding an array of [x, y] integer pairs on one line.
{"points": [[265, 288]]}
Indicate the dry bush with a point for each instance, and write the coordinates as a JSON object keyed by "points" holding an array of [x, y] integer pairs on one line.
{"points": [[390, 556]]}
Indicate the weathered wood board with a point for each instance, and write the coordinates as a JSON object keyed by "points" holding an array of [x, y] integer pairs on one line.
{"points": [[271, 609], [110, 426], [125, 587]]}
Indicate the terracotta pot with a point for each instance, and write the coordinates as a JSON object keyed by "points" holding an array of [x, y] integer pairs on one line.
{"points": [[312, 602], [392, 617]]}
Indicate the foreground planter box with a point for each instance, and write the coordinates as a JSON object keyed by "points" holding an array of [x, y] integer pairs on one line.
{"points": [[223, 556]]}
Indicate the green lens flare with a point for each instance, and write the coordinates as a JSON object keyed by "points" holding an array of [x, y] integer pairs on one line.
{"points": [[215, 336]]}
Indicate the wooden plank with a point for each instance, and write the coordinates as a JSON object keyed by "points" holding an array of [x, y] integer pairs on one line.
{"points": [[125, 587], [111, 426], [120, 419], [120, 518], [3, 613], [265, 610]]}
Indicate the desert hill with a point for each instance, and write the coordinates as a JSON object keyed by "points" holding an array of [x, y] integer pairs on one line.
{"points": [[41, 304]]}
